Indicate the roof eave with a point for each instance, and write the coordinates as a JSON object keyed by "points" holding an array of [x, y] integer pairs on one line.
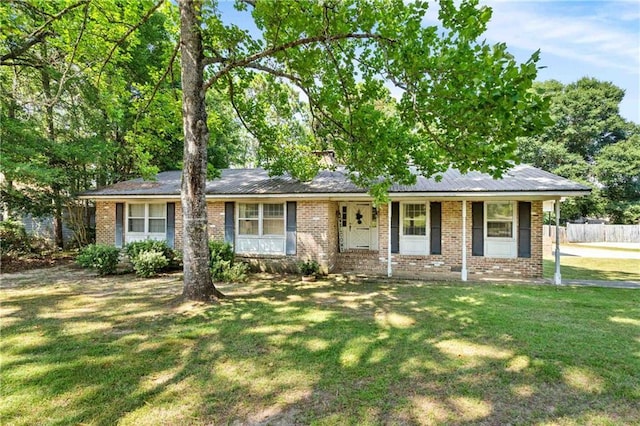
{"points": [[539, 195]]}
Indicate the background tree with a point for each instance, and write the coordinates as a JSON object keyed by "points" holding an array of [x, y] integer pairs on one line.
{"points": [[586, 123], [618, 169]]}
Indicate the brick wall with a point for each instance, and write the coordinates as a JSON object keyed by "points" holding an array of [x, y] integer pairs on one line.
{"points": [[317, 232], [215, 217], [317, 238], [105, 222]]}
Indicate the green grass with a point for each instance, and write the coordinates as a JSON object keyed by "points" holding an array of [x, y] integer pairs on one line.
{"points": [[79, 349], [602, 247], [591, 268]]}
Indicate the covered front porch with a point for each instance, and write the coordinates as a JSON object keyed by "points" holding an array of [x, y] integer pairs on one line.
{"points": [[440, 239]]}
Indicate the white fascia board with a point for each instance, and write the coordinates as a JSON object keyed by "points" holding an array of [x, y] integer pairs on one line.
{"points": [[470, 196], [129, 197], [529, 195]]}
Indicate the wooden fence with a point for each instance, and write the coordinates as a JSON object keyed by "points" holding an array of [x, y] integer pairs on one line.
{"points": [[590, 233], [594, 233], [549, 233]]}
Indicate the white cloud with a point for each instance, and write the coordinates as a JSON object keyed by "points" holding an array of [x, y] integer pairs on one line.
{"points": [[587, 32]]}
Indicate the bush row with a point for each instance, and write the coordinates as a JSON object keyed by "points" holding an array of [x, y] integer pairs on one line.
{"points": [[151, 257]]}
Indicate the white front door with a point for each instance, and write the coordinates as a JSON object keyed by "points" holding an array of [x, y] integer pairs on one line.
{"points": [[359, 225]]}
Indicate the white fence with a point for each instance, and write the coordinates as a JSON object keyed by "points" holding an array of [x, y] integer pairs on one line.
{"points": [[591, 233]]}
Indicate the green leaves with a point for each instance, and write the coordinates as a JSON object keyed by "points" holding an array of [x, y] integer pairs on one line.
{"points": [[462, 102]]}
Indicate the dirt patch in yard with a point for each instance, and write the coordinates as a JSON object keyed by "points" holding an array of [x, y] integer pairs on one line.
{"points": [[10, 265]]}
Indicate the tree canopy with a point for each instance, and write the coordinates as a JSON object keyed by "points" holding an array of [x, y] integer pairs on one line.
{"points": [[588, 141], [314, 75]]}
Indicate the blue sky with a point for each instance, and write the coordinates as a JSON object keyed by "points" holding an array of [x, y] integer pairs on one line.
{"points": [[577, 38], [599, 39]]}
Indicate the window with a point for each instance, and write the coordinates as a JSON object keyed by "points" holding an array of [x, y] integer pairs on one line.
{"points": [[499, 229], [414, 219], [261, 228], [273, 219], [146, 221], [248, 219], [413, 229], [500, 219]]}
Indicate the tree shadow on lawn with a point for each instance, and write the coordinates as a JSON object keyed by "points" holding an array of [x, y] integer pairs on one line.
{"points": [[334, 351]]}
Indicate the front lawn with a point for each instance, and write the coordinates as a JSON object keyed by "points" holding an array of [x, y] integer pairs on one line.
{"points": [[593, 268], [80, 349]]}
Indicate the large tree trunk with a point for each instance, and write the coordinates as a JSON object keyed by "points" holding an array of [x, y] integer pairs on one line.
{"points": [[51, 133], [197, 279]]}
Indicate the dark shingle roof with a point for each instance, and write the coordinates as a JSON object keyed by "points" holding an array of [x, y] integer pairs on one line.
{"points": [[521, 178]]}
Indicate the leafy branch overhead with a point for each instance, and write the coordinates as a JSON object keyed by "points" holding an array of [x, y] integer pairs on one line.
{"points": [[462, 101]]}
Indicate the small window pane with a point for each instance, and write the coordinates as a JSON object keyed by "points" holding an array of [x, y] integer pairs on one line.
{"points": [[248, 211], [156, 225], [500, 211], [136, 210], [136, 225], [499, 229], [273, 227], [273, 210], [248, 227], [415, 219], [157, 210]]}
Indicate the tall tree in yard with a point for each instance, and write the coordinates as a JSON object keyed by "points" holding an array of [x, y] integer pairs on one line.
{"points": [[463, 102], [198, 284]]}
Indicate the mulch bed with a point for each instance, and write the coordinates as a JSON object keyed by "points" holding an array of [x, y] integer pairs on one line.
{"points": [[25, 263]]}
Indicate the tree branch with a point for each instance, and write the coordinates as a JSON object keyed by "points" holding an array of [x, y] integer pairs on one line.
{"points": [[283, 47], [73, 55], [162, 78], [39, 34], [126, 35]]}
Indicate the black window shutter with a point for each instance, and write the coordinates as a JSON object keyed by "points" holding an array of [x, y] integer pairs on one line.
{"points": [[436, 227], [119, 224], [477, 235], [171, 224], [395, 227], [291, 227], [524, 229], [229, 222]]}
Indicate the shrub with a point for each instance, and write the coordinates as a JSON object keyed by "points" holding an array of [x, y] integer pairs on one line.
{"points": [[222, 263], [309, 267], [135, 248], [149, 263], [13, 238], [100, 257]]}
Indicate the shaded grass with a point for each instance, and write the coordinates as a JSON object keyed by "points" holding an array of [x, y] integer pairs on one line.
{"points": [[79, 349], [590, 268]]}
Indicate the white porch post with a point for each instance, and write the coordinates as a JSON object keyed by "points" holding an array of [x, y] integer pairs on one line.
{"points": [[389, 272], [464, 241], [557, 278]]}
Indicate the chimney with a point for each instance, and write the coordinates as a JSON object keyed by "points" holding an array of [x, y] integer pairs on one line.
{"points": [[327, 157]]}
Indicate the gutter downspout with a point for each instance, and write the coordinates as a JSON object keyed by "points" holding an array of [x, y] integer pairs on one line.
{"points": [[557, 278], [389, 271], [463, 272]]}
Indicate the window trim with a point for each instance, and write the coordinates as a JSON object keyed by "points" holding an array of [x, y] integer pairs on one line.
{"points": [[146, 233], [260, 240], [512, 221], [423, 239], [509, 245]]}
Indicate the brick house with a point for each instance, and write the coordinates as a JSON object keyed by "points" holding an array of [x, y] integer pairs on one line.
{"points": [[273, 222]]}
